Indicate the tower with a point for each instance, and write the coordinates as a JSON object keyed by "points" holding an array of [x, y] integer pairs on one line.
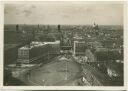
{"points": [[95, 26]]}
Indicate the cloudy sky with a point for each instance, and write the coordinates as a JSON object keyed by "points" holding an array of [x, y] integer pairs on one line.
{"points": [[63, 13]]}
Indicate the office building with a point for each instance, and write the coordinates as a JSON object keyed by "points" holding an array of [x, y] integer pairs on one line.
{"points": [[37, 50]]}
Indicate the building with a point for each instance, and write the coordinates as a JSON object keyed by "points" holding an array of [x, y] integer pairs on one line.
{"points": [[104, 54], [94, 44], [101, 54], [79, 48], [10, 53], [54, 47], [37, 50], [66, 43]]}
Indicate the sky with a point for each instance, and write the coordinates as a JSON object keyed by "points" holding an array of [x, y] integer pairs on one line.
{"points": [[72, 13]]}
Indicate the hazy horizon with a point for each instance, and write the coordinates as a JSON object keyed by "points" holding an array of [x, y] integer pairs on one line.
{"points": [[63, 13], [63, 24]]}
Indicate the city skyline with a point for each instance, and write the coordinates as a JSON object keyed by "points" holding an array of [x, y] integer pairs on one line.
{"points": [[71, 13]]}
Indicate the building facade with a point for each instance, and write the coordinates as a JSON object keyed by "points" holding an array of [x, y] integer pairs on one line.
{"points": [[37, 50], [79, 48]]}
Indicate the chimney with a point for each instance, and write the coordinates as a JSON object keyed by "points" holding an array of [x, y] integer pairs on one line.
{"points": [[38, 26], [17, 27], [58, 27]]}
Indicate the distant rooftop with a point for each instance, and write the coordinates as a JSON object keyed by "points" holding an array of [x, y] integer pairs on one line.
{"points": [[37, 44], [79, 41]]}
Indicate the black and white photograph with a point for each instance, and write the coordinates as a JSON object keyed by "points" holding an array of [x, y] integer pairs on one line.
{"points": [[63, 43]]}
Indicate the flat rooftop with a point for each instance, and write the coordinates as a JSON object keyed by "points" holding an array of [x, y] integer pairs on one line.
{"points": [[37, 44]]}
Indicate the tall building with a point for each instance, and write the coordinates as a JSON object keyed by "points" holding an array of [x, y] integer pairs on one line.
{"points": [[37, 50], [79, 48]]}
